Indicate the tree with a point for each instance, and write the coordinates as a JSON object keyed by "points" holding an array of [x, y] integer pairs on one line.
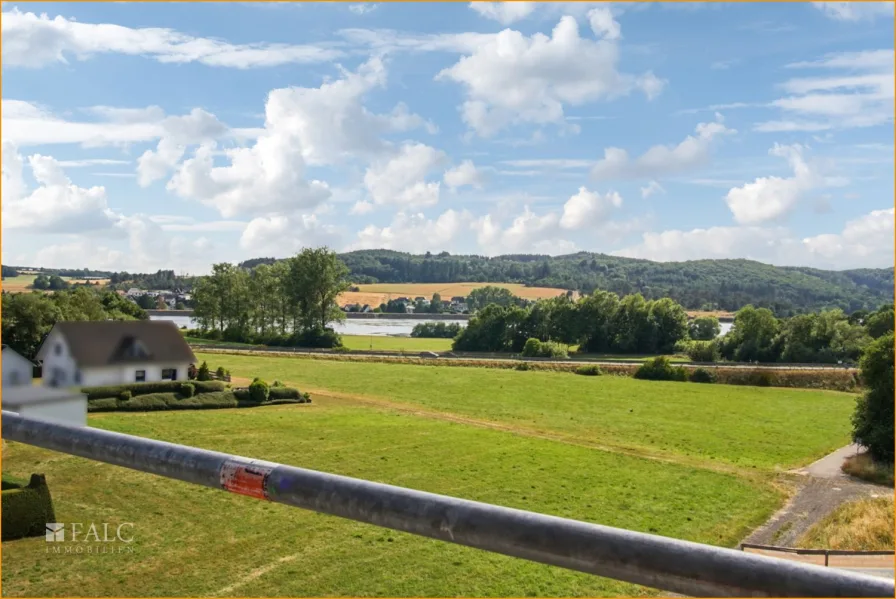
{"points": [[670, 324], [880, 323], [598, 314], [317, 278], [873, 417], [490, 294], [435, 305], [704, 328], [753, 336]]}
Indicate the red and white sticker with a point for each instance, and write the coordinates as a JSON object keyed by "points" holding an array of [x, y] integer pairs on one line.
{"points": [[246, 477]]}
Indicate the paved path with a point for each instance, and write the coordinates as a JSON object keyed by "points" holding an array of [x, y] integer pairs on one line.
{"points": [[829, 465], [824, 489]]}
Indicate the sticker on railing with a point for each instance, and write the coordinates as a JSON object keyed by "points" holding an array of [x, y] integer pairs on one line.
{"points": [[246, 477]]}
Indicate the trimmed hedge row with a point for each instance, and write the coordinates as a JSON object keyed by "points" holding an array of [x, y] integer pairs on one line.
{"points": [[136, 389], [830, 379], [172, 401], [26, 510]]}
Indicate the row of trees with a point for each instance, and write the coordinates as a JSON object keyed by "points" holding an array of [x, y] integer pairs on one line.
{"points": [[598, 323], [604, 323], [28, 317], [293, 300], [829, 336]]}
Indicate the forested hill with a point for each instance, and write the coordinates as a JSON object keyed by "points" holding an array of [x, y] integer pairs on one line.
{"points": [[699, 284]]}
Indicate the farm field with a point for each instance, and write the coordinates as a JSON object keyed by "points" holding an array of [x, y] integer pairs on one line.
{"points": [[379, 293], [194, 541], [23, 282], [746, 429]]}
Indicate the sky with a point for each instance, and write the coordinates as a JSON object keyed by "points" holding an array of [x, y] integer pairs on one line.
{"points": [[139, 136]]}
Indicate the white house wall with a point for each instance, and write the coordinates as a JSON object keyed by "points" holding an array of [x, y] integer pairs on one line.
{"points": [[64, 362], [17, 370], [123, 375]]}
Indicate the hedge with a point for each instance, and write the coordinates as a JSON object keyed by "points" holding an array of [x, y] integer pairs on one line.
{"points": [[27, 510], [275, 393], [172, 401], [152, 388]]}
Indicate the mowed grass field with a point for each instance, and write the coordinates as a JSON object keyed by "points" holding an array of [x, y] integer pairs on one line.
{"points": [[364, 342], [192, 541], [379, 293], [751, 427], [689, 461], [23, 282]]}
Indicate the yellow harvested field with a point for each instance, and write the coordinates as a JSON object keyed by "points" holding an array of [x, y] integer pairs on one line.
{"points": [[379, 293], [23, 282]]}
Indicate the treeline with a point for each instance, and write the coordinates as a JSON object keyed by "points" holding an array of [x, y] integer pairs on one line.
{"points": [[597, 323], [698, 285], [825, 337], [28, 317], [436, 330], [291, 302], [604, 323], [75, 273], [161, 280]]}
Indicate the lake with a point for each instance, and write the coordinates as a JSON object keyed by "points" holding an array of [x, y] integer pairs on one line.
{"points": [[375, 326], [378, 326]]}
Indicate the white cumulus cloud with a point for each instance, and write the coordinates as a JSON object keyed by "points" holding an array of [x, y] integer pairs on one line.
{"points": [[661, 160], [511, 78]]}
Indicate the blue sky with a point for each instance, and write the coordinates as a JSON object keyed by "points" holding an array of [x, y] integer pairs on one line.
{"points": [[144, 136]]}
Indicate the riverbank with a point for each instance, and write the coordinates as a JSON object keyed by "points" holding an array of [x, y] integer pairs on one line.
{"points": [[348, 315]]}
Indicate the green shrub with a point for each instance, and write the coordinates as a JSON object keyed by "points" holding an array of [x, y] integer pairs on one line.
{"points": [[534, 348], [873, 417], [165, 401], [148, 388], [660, 369], [27, 510], [124, 395], [242, 394], [281, 392], [259, 390], [220, 372], [187, 389], [203, 374], [277, 384], [699, 351], [307, 397], [591, 370], [702, 375], [522, 366], [342, 350]]}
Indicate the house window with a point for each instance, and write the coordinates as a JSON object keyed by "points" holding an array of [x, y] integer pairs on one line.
{"points": [[13, 378], [78, 377], [58, 349], [169, 374], [140, 376]]}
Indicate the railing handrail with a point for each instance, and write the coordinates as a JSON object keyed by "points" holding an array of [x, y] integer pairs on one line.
{"points": [[660, 562], [801, 551]]}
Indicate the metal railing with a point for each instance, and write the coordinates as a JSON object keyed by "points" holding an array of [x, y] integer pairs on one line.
{"points": [[669, 564], [826, 553]]}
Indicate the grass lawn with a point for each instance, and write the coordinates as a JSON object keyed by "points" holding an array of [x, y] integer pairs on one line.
{"points": [[193, 541], [383, 343], [363, 342], [750, 427]]}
